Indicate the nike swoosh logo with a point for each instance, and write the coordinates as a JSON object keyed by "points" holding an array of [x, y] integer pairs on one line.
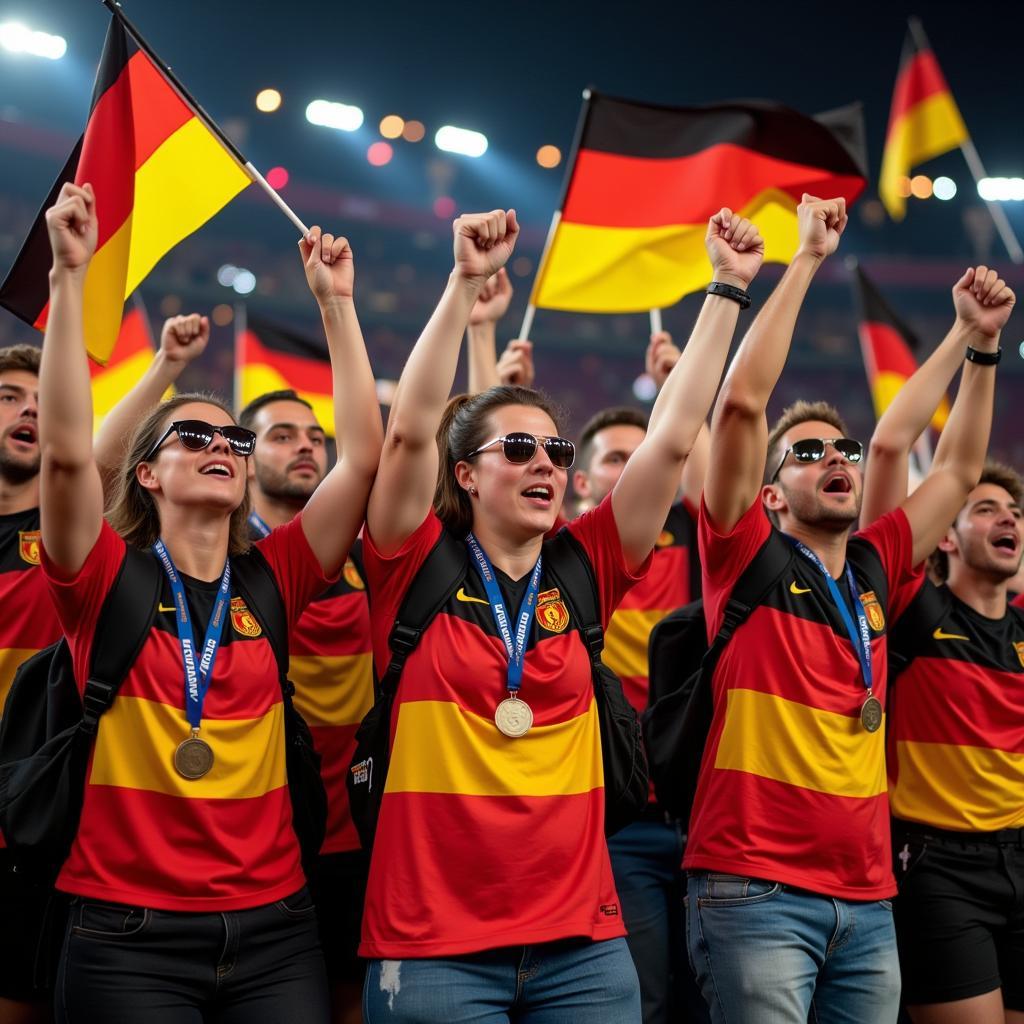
{"points": [[461, 595], [794, 589], [939, 635]]}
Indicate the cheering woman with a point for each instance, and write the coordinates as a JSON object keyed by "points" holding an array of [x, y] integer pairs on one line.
{"points": [[490, 893], [189, 901]]}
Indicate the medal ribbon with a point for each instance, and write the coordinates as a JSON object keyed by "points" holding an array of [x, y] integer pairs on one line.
{"points": [[860, 635], [515, 646], [197, 676], [259, 524]]}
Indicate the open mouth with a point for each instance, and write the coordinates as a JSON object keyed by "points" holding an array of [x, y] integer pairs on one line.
{"points": [[25, 434], [221, 469], [838, 484], [540, 492], [1007, 542]]}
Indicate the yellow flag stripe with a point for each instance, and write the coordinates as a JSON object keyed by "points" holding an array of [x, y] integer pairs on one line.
{"points": [[959, 787], [257, 379], [886, 386], [790, 742], [138, 737], [10, 659], [103, 302], [625, 640], [332, 689], [442, 748]]}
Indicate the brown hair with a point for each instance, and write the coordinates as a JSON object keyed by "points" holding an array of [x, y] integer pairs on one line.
{"points": [[20, 357], [997, 473], [798, 412], [464, 428], [616, 416], [247, 416], [132, 512]]}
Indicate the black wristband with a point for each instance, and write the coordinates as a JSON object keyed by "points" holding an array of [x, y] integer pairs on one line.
{"points": [[728, 291], [984, 358]]}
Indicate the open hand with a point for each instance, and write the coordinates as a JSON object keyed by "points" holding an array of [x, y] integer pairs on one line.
{"points": [[820, 222], [734, 247], [329, 265], [484, 243], [72, 226], [983, 302]]}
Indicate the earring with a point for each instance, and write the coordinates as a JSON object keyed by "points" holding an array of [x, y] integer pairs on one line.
{"points": [[473, 491]]}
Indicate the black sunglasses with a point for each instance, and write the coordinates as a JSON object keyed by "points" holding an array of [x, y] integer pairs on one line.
{"points": [[812, 449], [195, 435], [520, 448]]}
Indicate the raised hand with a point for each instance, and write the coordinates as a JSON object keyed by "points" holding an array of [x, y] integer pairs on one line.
{"points": [[72, 227], [734, 247], [329, 265], [820, 223], [516, 364], [662, 355], [484, 243], [492, 302], [983, 302], [184, 338]]}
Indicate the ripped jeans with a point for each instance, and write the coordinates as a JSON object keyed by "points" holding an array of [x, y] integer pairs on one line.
{"points": [[562, 982]]}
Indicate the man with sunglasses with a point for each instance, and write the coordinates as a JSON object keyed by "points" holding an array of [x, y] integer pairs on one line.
{"points": [[789, 913]]}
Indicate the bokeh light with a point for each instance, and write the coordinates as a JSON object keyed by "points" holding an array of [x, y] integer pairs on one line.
{"points": [[444, 207], [944, 188], [268, 100], [222, 315], [414, 131], [903, 186], [277, 177], [380, 153], [921, 186], [391, 126], [549, 156]]}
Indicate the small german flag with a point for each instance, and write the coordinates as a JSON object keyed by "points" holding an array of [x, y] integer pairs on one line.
{"points": [[630, 233], [888, 346], [159, 172], [924, 120], [271, 358]]}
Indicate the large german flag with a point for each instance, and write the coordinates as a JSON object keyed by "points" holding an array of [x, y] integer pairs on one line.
{"points": [[923, 122], [270, 358], [645, 180], [159, 173], [888, 346]]}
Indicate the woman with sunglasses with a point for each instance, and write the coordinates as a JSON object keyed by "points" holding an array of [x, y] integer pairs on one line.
{"points": [[491, 894], [189, 901]]}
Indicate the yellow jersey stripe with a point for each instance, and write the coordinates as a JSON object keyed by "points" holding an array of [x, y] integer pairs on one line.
{"points": [[625, 640], [332, 689]]}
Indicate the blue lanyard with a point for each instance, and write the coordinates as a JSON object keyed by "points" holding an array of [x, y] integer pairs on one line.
{"points": [[860, 635], [515, 646], [259, 524], [197, 677]]}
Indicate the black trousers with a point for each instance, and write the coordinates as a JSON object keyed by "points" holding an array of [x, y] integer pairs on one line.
{"points": [[124, 965]]}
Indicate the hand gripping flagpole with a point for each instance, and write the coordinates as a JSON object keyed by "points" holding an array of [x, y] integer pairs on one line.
{"points": [[117, 10]]}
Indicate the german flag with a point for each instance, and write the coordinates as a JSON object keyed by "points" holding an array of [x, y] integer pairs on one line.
{"points": [[924, 120], [888, 346], [159, 172], [270, 358], [630, 233]]}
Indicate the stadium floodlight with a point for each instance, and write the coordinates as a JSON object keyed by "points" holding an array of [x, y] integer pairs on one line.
{"points": [[461, 141], [18, 38], [342, 116], [1005, 190]]}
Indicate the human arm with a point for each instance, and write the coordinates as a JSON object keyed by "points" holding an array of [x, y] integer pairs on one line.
{"points": [[403, 492], [70, 493], [334, 513], [739, 429], [649, 482], [182, 340], [481, 333], [986, 301]]}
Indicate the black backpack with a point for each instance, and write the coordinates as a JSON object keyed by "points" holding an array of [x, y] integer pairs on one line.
{"points": [[681, 665], [48, 731], [442, 573]]}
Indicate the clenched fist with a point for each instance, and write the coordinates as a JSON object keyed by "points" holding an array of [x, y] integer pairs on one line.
{"points": [[484, 243]]}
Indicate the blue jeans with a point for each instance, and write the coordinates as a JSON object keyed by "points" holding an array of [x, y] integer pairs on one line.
{"points": [[646, 858], [768, 954], [565, 982]]}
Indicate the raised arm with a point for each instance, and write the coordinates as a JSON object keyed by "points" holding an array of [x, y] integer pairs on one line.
{"points": [[335, 511], [404, 489], [481, 334], [182, 340], [649, 483], [70, 495], [739, 429], [960, 454]]}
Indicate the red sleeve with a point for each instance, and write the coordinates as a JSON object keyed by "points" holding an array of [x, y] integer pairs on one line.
{"points": [[724, 556], [78, 597], [1018, 601], [295, 567], [597, 532], [893, 540]]}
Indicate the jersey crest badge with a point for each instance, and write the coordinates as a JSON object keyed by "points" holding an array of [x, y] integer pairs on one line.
{"points": [[28, 546], [665, 539], [1019, 648], [551, 611], [873, 611], [243, 620], [352, 577]]}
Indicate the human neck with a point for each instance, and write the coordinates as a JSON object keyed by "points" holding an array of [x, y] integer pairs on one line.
{"points": [[512, 558], [18, 497], [828, 545], [198, 544], [275, 512], [985, 595]]}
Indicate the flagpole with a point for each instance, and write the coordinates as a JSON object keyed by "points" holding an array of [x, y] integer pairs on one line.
{"points": [[240, 323], [976, 167], [656, 327], [531, 309], [115, 8]]}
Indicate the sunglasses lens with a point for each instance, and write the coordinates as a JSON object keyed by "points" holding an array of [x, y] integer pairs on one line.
{"points": [[195, 435], [561, 452], [519, 448], [809, 450], [242, 440], [851, 450]]}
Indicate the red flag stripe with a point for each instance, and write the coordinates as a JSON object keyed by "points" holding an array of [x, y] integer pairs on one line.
{"points": [[132, 339], [309, 375], [919, 78], [887, 350]]}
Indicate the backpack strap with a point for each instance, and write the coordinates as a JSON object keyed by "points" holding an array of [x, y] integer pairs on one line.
{"points": [[568, 562], [440, 575], [258, 587], [126, 615]]}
